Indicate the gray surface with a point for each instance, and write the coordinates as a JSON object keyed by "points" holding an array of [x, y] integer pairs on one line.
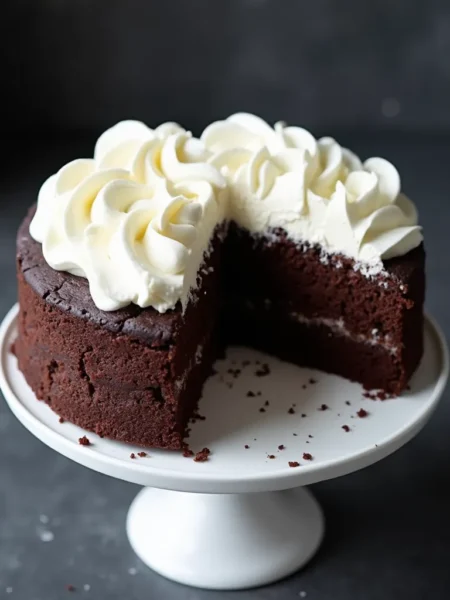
{"points": [[322, 63], [388, 527]]}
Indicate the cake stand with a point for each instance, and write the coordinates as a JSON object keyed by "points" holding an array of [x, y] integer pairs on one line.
{"points": [[243, 518]]}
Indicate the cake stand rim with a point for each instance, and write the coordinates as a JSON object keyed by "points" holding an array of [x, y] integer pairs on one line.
{"points": [[205, 482]]}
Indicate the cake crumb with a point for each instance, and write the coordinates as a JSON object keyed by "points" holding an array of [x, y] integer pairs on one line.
{"points": [[348, 403], [294, 434], [293, 463], [133, 455], [291, 411], [234, 372], [266, 403], [262, 410], [362, 413], [346, 428], [258, 393], [304, 386], [312, 381], [61, 420], [142, 454], [271, 456], [203, 455], [246, 446], [70, 587], [310, 436], [84, 441], [323, 407], [307, 456], [250, 394], [303, 415], [281, 447], [263, 370], [187, 452]]}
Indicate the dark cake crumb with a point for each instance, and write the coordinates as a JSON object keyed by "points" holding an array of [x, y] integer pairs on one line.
{"points": [[281, 447], [293, 463], [258, 393], [266, 403], [263, 371], [70, 587], [271, 456], [294, 434], [262, 410], [307, 456], [346, 428], [304, 386], [61, 420], [323, 407], [291, 411], [362, 413], [187, 452], [133, 455], [303, 415], [84, 441], [234, 372], [202, 456], [312, 381], [246, 446], [142, 454], [310, 436], [250, 394]]}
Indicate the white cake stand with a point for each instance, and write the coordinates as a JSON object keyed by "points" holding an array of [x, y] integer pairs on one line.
{"points": [[243, 519]]}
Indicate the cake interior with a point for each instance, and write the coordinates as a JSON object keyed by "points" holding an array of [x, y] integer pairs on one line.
{"points": [[319, 310]]}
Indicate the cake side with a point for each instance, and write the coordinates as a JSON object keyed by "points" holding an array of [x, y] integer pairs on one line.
{"points": [[134, 375], [320, 310]]}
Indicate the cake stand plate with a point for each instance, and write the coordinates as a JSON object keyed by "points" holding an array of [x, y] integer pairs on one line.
{"points": [[243, 518]]}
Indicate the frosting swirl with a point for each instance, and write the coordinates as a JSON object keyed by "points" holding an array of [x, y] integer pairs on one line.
{"points": [[137, 218], [317, 191], [120, 222]]}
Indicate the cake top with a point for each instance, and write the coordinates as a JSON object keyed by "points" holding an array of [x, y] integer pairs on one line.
{"points": [[138, 218]]}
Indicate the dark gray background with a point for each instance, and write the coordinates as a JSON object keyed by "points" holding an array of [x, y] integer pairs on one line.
{"points": [[328, 64], [70, 68]]}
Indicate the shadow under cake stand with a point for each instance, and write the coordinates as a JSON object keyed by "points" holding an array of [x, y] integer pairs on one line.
{"points": [[243, 518]]}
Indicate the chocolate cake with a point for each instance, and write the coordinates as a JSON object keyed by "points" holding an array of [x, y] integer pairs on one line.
{"points": [[139, 265]]}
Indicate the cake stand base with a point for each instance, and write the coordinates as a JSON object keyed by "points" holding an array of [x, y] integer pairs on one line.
{"points": [[228, 541]]}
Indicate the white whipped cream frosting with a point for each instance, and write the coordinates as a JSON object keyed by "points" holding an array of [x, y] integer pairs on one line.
{"points": [[317, 191], [137, 219]]}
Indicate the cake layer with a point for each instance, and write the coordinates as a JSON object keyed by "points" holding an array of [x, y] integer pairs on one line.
{"points": [[271, 275], [326, 346], [133, 375]]}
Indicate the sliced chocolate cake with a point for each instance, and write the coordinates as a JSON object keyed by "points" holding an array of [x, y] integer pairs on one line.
{"points": [[136, 262]]}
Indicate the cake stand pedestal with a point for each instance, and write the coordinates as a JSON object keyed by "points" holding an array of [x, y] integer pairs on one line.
{"points": [[243, 518]]}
